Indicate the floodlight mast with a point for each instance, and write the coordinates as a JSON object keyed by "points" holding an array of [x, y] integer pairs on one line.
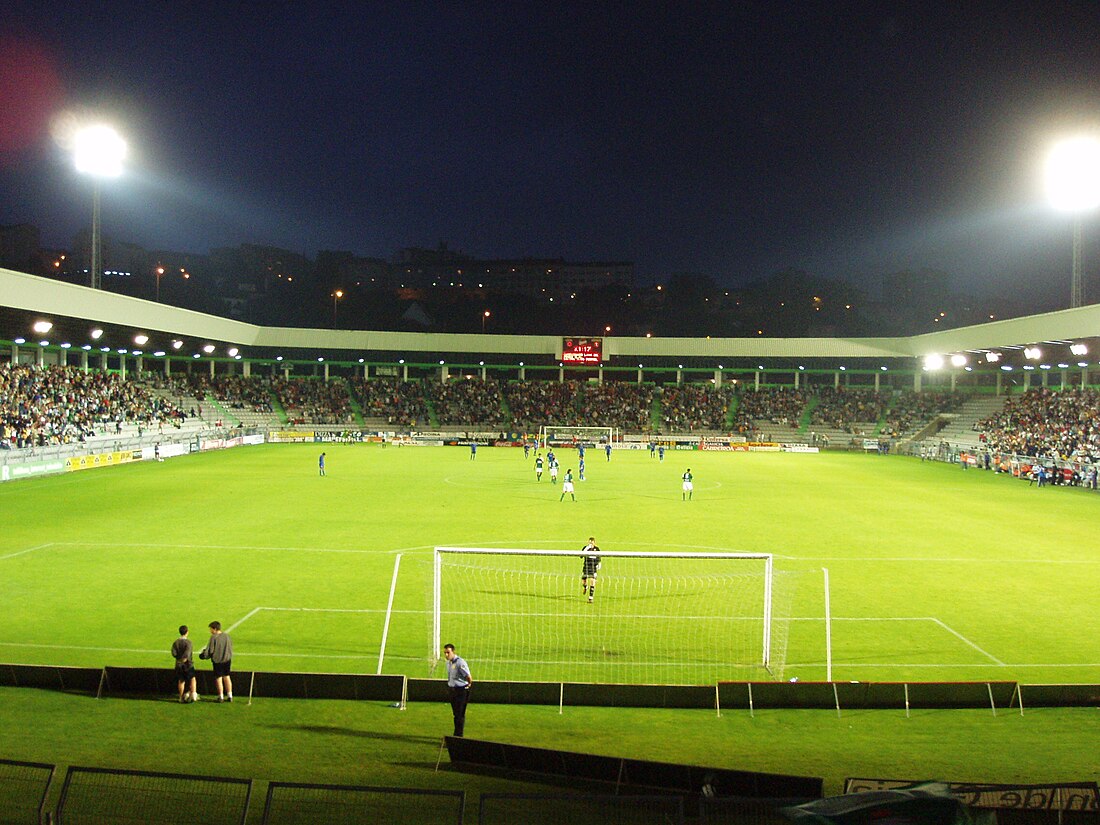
{"points": [[1073, 183], [99, 152]]}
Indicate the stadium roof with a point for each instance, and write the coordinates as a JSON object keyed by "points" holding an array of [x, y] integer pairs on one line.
{"points": [[49, 298]]}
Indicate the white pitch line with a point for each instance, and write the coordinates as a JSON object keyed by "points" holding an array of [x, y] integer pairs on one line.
{"points": [[967, 641], [241, 621], [28, 550], [926, 559], [225, 547]]}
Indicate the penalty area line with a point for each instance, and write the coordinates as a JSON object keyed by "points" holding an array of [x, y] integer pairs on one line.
{"points": [[965, 640], [28, 550]]}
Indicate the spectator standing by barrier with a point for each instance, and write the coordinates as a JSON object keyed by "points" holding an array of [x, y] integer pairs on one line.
{"points": [[219, 650], [183, 653]]}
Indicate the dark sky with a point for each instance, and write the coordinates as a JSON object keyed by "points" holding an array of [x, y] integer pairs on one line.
{"points": [[730, 138]]}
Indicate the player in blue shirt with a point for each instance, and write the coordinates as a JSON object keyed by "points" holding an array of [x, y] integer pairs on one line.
{"points": [[473, 450], [321, 463], [580, 468], [607, 450], [661, 453]]}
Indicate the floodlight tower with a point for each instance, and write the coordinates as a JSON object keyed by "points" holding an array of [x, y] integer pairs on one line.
{"points": [[1073, 184], [99, 152]]}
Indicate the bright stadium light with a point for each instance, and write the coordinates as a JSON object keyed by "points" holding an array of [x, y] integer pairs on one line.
{"points": [[20, 341], [233, 352], [1032, 353], [1073, 174], [1079, 349], [958, 360], [42, 327], [933, 362], [1073, 185], [98, 152], [208, 349], [141, 339], [177, 344], [992, 357], [96, 334]]}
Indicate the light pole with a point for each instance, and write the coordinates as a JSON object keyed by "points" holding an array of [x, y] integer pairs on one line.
{"points": [[336, 296], [1073, 184], [160, 271], [99, 152], [484, 316]]}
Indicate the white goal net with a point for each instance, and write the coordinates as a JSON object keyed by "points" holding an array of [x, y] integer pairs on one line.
{"points": [[551, 435], [652, 618]]}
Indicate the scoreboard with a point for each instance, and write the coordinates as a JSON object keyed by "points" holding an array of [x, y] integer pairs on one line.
{"points": [[582, 351]]}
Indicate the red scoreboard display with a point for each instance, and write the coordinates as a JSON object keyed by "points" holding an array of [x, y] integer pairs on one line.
{"points": [[582, 351]]}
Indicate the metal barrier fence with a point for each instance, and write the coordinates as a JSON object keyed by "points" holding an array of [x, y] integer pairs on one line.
{"points": [[98, 796], [739, 810], [289, 803], [23, 789]]}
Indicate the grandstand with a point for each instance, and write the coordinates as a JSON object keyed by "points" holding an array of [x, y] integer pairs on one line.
{"points": [[308, 624]]}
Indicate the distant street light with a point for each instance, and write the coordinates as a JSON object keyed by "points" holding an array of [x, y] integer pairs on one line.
{"points": [[160, 271], [99, 152], [1073, 184], [336, 296], [484, 316]]}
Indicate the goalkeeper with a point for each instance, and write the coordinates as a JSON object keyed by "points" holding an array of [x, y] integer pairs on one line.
{"points": [[591, 560]]}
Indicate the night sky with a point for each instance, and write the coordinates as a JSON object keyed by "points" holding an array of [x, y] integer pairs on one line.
{"points": [[733, 139]]}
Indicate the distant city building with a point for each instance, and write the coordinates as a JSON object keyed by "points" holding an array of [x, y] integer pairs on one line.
{"points": [[442, 267]]}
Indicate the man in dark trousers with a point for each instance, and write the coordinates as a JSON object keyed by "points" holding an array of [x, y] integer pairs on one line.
{"points": [[458, 682]]}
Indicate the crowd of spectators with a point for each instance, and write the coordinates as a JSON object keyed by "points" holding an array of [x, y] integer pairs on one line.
{"points": [[1041, 422], [60, 405], [466, 401], [313, 401], [850, 410], [617, 404], [779, 405], [399, 403], [911, 410], [534, 403], [695, 407], [234, 391]]}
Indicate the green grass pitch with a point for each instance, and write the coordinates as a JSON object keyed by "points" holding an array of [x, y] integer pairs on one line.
{"points": [[936, 574]]}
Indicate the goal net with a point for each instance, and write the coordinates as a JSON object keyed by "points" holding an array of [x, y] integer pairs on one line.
{"points": [[654, 618], [551, 435]]}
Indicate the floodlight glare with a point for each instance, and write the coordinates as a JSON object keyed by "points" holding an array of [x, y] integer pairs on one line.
{"points": [[933, 362], [992, 357], [1073, 174], [177, 344], [1079, 349], [96, 334], [1032, 353], [20, 340], [209, 348], [141, 339], [42, 327], [958, 360], [66, 345], [99, 151], [233, 352]]}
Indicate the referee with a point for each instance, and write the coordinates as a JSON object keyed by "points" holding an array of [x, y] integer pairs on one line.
{"points": [[458, 681]]}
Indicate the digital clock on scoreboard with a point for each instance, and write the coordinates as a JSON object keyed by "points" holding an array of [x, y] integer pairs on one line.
{"points": [[582, 350]]}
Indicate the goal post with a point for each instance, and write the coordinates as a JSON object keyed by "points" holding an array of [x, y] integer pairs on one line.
{"points": [[655, 617], [553, 435]]}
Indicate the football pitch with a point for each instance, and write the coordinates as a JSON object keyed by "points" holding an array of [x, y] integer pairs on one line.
{"points": [[935, 573]]}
